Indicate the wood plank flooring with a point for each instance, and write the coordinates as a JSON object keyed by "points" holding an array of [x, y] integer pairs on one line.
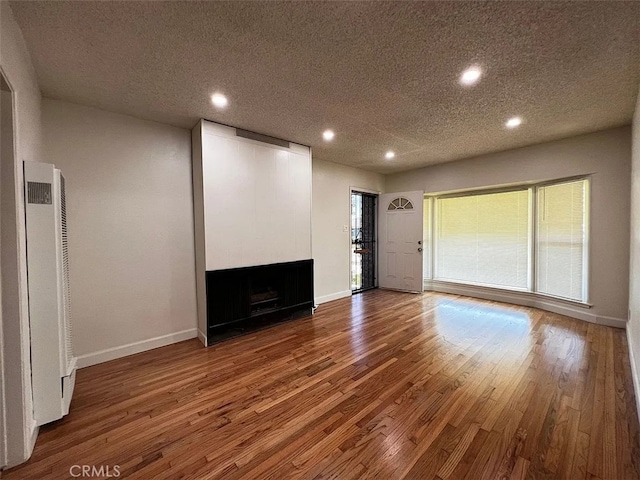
{"points": [[382, 385]]}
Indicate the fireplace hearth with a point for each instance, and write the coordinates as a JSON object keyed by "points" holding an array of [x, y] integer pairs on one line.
{"points": [[240, 300]]}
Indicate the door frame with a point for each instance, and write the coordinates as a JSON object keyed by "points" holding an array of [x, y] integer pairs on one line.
{"points": [[362, 190], [3, 366], [19, 424]]}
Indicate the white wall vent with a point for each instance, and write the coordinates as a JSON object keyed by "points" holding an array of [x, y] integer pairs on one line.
{"points": [[53, 365], [39, 192]]}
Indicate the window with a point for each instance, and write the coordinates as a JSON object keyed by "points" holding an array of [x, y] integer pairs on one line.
{"points": [[532, 238], [484, 239], [400, 203], [561, 240]]}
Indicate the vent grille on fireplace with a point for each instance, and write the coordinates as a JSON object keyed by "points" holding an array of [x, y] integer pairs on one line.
{"points": [[261, 138]]}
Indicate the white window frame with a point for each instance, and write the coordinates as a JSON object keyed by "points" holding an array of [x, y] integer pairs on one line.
{"points": [[431, 202], [586, 238], [427, 240]]}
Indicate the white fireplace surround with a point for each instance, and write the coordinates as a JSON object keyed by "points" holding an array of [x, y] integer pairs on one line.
{"points": [[252, 202]]}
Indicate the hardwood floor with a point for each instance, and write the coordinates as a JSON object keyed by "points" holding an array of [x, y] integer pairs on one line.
{"points": [[381, 385]]}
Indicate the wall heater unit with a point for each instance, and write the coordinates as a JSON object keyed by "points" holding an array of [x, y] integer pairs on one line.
{"points": [[53, 366]]}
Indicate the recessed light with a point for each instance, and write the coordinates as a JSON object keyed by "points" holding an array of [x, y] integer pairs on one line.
{"points": [[389, 155], [470, 76], [219, 100], [513, 122], [328, 135]]}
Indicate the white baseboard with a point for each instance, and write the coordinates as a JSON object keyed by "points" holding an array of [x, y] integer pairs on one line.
{"points": [[610, 322], [635, 374], [333, 296], [136, 347], [202, 337], [527, 299]]}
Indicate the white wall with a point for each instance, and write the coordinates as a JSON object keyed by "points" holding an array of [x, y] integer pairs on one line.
{"points": [[330, 213], [605, 155], [633, 328], [257, 200], [18, 70], [131, 241]]}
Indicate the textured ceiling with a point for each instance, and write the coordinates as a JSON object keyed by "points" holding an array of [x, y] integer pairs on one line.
{"points": [[382, 75]]}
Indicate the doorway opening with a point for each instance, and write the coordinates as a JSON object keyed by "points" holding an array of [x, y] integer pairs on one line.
{"points": [[6, 170], [363, 241]]}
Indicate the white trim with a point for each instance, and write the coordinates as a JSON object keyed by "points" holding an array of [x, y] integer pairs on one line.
{"points": [[505, 187], [16, 354], [586, 238], [136, 347], [202, 337], [610, 321], [333, 296], [33, 436], [3, 425], [363, 190], [527, 299], [428, 253], [634, 372], [532, 237]]}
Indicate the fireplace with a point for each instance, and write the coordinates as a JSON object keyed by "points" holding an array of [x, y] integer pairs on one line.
{"points": [[263, 300], [240, 300]]}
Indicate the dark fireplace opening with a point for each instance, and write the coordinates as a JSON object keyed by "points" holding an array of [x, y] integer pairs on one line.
{"points": [[243, 299], [264, 295]]}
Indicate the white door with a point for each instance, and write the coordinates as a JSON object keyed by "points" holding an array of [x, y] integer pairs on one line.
{"points": [[400, 241]]}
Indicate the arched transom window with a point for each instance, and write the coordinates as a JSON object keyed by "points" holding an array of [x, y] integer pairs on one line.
{"points": [[400, 203]]}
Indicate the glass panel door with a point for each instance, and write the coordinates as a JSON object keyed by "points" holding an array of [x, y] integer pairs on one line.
{"points": [[363, 241]]}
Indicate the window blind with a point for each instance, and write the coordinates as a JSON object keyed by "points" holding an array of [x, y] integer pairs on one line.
{"points": [[484, 239], [561, 239]]}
